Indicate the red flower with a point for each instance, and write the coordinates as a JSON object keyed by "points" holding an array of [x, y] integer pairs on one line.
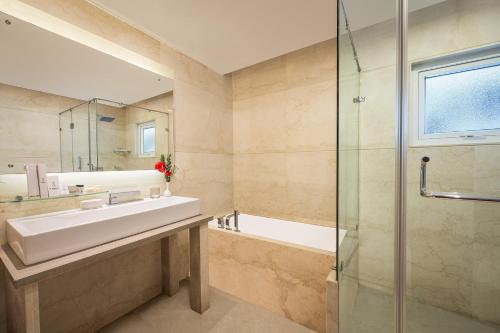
{"points": [[160, 166], [168, 173]]}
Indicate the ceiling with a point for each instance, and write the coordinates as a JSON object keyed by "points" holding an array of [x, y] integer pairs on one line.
{"points": [[36, 59], [227, 35]]}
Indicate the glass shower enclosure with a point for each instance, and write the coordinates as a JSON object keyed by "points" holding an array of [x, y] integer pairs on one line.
{"points": [[78, 137], [418, 168]]}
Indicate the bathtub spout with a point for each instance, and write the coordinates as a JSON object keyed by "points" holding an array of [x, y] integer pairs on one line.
{"points": [[228, 221], [220, 222]]}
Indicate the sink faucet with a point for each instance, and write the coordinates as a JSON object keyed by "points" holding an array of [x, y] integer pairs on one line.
{"points": [[124, 196], [228, 219]]}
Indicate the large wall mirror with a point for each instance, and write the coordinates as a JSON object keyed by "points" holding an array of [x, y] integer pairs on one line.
{"points": [[77, 109]]}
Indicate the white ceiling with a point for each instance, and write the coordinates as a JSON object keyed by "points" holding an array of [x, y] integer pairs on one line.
{"points": [[34, 58], [227, 35]]}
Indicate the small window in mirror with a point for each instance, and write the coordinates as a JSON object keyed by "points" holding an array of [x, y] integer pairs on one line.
{"points": [[457, 103], [146, 134]]}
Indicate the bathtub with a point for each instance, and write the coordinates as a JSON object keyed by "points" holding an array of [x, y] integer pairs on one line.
{"points": [[276, 264], [307, 235]]}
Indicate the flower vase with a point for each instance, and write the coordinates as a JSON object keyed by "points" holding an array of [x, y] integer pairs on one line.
{"points": [[167, 192]]}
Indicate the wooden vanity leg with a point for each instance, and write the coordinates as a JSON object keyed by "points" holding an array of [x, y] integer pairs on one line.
{"points": [[23, 308], [169, 265], [198, 262], [32, 308]]}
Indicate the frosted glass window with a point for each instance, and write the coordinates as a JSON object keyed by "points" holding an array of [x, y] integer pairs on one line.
{"points": [[149, 140], [146, 135], [463, 101]]}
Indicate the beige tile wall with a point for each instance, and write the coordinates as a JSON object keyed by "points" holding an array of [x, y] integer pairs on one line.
{"points": [[29, 123], [285, 136], [203, 127], [453, 249]]}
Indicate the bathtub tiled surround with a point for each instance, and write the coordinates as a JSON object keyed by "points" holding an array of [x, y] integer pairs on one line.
{"points": [[285, 136], [332, 303], [285, 279]]}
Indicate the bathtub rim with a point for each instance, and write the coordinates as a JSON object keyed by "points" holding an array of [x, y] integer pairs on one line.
{"points": [[267, 239]]}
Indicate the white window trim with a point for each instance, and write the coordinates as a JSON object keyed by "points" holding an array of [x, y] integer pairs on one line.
{"points": [[140, 138], [417, 136]]}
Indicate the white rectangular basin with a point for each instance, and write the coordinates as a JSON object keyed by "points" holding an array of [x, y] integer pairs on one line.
{"points": [[43, 237]]}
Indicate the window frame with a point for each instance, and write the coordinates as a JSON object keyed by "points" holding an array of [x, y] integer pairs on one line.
{"points": [[423, 70], [140, 138]]}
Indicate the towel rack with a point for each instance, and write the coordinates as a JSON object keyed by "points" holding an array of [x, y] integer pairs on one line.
{"points": [[448, 195]]}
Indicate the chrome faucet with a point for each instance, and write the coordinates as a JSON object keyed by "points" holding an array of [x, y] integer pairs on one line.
{"points": [[228, 220], [124, 196], [220, 222]]}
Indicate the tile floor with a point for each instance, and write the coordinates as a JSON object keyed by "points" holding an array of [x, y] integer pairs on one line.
{"points": [[373, 313], [227, 314]]}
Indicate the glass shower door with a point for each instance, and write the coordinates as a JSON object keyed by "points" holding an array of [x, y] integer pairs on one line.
{"points": [[66, 140], [348, 173], [81, 138], [453, 246]]}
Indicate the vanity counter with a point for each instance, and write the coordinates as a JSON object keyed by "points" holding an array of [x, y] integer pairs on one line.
{"points": [[23, 279]]}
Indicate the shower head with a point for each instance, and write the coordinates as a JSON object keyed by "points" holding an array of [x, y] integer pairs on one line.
{"points": [[106, 119]]}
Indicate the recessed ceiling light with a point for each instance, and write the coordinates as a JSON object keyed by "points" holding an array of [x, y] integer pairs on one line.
{"points": [[8, 22]]}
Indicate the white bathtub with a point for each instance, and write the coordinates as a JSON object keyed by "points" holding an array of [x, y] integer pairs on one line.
{"points": [[308, 235]]}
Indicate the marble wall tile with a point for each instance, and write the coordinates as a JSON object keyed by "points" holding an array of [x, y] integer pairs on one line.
{"points": [[311, 187], [16, 98], [286, 280], [311, 119], [259, 123], [203, 122], [208, 176], [376, 114], [264, 78], [285, 136], [486, 236], [376, 217], [313, 64], [28, 117], [435, 26], [278, 188], [260, 183], [476, 22], [376, 44]]}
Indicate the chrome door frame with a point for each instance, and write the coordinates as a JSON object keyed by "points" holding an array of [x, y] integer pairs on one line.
{"points": [[401, 159]]}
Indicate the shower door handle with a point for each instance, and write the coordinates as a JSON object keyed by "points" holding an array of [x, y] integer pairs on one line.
{"points": [[448, 195]]}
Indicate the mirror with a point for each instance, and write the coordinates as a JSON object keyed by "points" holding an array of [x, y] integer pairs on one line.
{"points": [[77, 109]]}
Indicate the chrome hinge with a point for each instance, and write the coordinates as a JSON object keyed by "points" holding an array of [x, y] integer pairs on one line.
{"points": [[358, 99]]}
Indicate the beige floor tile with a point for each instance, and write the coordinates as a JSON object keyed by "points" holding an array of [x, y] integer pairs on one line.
{"points": [[226, 314]]}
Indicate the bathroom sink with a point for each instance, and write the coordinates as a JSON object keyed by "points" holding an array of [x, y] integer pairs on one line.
{"points": [[43, 237]]}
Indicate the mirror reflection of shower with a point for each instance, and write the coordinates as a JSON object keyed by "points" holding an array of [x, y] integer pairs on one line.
{"points": [[103, 135]]}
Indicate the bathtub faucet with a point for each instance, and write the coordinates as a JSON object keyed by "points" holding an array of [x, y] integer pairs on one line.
{"points": [[228, 220], [220, 222]]}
